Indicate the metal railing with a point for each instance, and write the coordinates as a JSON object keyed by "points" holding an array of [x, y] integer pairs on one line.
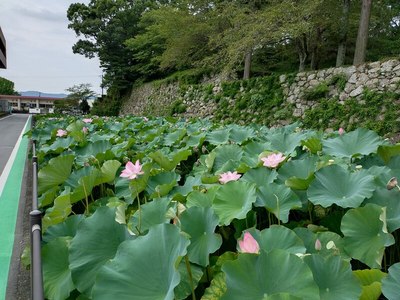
{"points": [[35, 215]]}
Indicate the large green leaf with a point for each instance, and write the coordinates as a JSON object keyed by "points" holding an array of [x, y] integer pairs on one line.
{"points": [[174, 137], [358, 142], [169, 162], [108, 171], [144, 268], [56, 273], [253, 277], [227, 158], [96, 242], [150, 214], [260, 176], [298, 174], [285, 142], [64, 229], [391, 200], [161, 184], [386, 152], [278, 199], [240, 134], [391, 284], [54, 173], [365, 234], [335, 185], [218, 137], [233, 201], [184, 288], [201, 199], [59, 211], [200, 224], [334, 277], [59, 145], [326, 238], [216, 289], [370, 281], [279, 237]]}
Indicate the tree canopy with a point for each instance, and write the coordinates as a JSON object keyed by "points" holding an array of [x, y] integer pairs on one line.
{"points": [[144, 40]]}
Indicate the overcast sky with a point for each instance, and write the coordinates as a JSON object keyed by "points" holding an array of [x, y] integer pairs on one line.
{"points": [[39, 47]]}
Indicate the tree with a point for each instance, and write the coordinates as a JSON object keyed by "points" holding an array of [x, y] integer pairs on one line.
{"points": [[344, 28], [81, 93], [7, 87], [362, 36]]}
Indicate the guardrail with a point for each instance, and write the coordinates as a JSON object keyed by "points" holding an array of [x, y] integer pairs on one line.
{"points": [[37, 291]]}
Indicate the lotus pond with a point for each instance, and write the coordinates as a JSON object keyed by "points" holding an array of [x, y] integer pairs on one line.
{"points": [[138, 208]]}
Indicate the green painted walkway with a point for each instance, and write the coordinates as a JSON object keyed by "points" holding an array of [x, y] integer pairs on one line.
{"points": [[9, 200]]}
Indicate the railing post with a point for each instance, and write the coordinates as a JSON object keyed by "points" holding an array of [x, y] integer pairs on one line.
{"points": [[35, 216]]}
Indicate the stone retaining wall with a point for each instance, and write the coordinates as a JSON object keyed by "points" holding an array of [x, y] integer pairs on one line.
{"points": [[199, 100]]}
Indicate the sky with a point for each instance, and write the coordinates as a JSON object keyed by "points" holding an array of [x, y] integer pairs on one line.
{"points": [[39, 47]]}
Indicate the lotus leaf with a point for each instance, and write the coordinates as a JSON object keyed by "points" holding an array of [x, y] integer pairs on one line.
{"points": [[201, 199], [278, 199], [150, 214], [371, 283], [335, 185], [280, 237], [144, 268], [365, 234], [200, 224], [184, 288], [55, 172], [56, 273], [233, 201], [167, 163], [161, 184], [334, 277], [216, 289], [252, 277], [390, 200], [64, 229], [60, 210], [227, 158], [89, 250], [390, 284], [358, 142], [218, 137], [260, 176]]}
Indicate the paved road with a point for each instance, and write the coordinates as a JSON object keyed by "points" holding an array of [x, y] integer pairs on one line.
{"points": [[14, 222], [10, 129]]}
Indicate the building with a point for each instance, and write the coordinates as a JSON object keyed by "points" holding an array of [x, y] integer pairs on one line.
{"points": [[31, 104], [3, 52]]}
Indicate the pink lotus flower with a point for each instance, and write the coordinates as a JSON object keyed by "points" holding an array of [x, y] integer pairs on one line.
{"points": [[318, 245], [61, 132], [248, 244], [228, 176], [131, 170], [85, 130], [273, 160], [87, 120], [341, 131]]}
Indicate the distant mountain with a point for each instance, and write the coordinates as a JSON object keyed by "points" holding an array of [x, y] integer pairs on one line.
{"points": [[36, 93]]}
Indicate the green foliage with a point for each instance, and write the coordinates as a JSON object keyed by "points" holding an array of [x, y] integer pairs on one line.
{"points": [[7, 87], [317, 92], [107, 106], [176, 230], [375, 110], [338, 80], [177, 107]]}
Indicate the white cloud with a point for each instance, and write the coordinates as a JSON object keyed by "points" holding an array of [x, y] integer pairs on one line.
{"points": [[39, 47]]}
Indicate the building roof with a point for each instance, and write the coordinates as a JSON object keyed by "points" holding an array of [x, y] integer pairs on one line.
{"points": [[3, 52], [14, 97]]}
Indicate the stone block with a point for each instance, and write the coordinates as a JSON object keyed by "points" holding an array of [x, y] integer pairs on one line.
{"points": [[358, 91]]}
